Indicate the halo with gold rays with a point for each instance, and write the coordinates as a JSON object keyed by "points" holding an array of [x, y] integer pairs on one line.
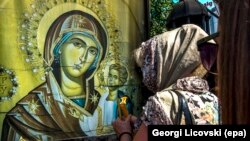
{"points": [[38, 19]]}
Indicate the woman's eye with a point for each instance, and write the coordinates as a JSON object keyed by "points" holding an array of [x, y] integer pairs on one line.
{"points": [[92, 50], [78, 43], [115, 77]]}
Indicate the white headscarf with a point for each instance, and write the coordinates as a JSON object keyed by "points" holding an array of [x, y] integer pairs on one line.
{"points": [[170, 56]]}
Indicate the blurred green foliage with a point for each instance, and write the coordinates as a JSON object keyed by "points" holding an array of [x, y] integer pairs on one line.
{"points": [[159, 10]]}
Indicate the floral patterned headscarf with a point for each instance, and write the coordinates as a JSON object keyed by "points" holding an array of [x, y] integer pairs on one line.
{"points": [[170, 56]]}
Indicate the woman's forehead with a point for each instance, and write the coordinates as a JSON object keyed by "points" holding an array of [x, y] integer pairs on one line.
{"points": [[83, 37]]}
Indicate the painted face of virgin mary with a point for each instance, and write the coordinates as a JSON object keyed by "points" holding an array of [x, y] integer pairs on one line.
{"points": [[78, 53]]}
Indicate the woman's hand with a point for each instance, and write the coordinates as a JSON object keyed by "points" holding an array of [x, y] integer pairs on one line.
{"points": [[122, 125], [123, 128]]}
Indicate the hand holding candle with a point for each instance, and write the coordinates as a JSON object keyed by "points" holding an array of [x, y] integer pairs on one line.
{"points": [[122, 109]]}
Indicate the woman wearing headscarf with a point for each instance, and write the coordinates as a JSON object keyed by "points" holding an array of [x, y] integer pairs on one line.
{"points": [[172, 69]]}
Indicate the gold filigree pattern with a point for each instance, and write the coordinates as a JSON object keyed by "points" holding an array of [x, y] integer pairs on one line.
{"points": [[74, 112]]}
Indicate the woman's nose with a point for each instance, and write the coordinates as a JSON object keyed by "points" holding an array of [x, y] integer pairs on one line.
{"points": [[83, 57], [110, 79]]}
